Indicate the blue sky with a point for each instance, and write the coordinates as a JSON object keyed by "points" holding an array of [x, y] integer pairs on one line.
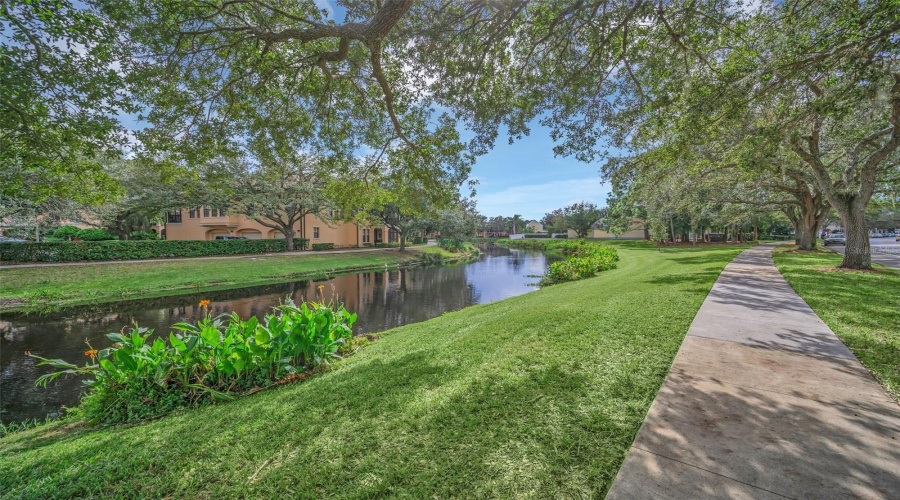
{"points": [[525, 178]]}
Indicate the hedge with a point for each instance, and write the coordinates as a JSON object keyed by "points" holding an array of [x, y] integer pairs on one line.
{"points": [[323, 246], [130, 250]]}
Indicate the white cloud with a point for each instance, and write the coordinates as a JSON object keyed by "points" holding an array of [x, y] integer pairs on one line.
{"points": [[534, 200]]}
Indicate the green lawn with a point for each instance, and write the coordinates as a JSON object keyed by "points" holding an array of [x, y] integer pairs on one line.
{"points": [[535, 396], [863, 309], [42, 287]]}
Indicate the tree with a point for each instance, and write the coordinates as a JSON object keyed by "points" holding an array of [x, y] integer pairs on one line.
{"points": [[392, 215], [60, 91], [516, 222], [458, 223], [580, 217], [555, 221], [279, 192]]}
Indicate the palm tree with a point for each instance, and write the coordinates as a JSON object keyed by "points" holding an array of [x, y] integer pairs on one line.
{"points": [[516, 220]]}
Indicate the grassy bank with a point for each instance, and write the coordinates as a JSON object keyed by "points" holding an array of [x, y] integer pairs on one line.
{"points": [[861, 308], [46, 287], [535, 396]]}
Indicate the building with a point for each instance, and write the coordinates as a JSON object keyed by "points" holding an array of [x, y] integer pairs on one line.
{"points": [[636, 231], [208, 223], [535, 227]]}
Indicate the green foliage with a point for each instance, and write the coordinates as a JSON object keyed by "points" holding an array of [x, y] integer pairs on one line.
{"points": [[131, 250], [94, 234], [143, 235], [141, 376], [322, 246], [584, 258], [432, 259], [456, 246], [585, 262], [65, 232]]}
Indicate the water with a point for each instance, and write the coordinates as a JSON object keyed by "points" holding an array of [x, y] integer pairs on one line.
{"points": [[382, 300]]}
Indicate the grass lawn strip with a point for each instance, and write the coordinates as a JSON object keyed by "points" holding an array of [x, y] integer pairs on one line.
{"points": [[44, 287], [534, 396], [862, 308]]}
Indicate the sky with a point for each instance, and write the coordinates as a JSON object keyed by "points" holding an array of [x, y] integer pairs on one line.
{"points": [[525, 178]]}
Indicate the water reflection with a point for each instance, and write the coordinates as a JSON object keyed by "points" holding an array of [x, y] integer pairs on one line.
{"points": [[382, 300]]}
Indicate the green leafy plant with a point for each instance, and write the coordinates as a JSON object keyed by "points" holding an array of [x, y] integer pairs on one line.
{"points": [[322, 246], [142, 376], [584, 261], [65, 232], [94, 234]]}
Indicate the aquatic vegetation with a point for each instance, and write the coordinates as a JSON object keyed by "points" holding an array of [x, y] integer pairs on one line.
{"points": [[215, 359], [584, 259]]}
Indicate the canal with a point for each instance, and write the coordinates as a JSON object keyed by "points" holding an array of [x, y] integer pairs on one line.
{"points": [[382, 300]]}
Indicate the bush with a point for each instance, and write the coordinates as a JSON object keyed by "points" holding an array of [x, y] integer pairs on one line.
{"points": [[586, 261], [385, 244], [143, 235], [65, 232], [94, 234], [217, 358], [127, 250], [323, 246]]}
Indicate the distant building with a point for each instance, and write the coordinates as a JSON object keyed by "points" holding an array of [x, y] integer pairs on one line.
{"points": [[208, 223], [636, 231], [535, 226]]}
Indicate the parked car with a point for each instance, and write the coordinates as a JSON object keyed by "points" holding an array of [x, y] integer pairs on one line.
{"points": [[7, 239], [877, 235], [230, 238], [835, 239]]}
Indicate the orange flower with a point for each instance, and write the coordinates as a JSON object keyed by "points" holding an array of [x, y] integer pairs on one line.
{"points": [[204, 303], [91, 353], [321, 287]]}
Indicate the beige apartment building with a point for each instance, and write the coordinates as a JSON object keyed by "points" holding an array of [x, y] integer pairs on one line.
{"points": [[207, 223]]}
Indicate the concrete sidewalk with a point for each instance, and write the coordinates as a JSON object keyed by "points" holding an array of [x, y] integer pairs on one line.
{"points": [[764, 401]]}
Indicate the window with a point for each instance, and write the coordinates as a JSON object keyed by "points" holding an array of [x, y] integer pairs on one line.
{"points": [[393, 236], [215, 212], [222, 212], [315, 233], [206, 210], [365, 235], [195, 212], [173, 217]]}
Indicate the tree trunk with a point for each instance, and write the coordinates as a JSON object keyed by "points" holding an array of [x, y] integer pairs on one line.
{"points": [[402, 242], [288, 240], [857, 252]]}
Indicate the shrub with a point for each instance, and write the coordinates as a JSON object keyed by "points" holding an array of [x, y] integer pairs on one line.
{"points": [[143, 235], [65, 232], [217, 358], [94, 234], [323, 246], [432, 259], [586, 261], [126, 250], [385, 244]]}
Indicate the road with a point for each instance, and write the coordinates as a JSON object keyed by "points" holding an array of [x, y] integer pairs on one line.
{"points": [[885, 251]]}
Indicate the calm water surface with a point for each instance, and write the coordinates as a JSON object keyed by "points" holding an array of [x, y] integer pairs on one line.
{"points": [[382, 300]]}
